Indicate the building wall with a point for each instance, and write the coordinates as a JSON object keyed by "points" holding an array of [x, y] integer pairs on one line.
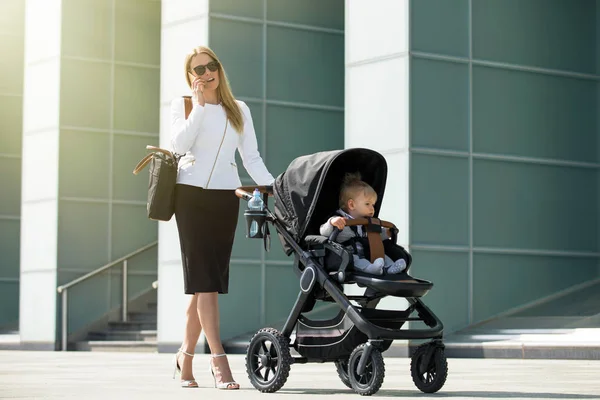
{"points": [[504, 151], [109, 94], [12, 38], [91, 95]]}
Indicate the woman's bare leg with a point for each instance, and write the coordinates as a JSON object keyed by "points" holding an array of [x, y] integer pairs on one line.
{"points": [[208, 309], [190, 338]]}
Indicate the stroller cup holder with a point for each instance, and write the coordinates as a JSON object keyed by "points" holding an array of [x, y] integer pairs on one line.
{"points": [[255, 223]]}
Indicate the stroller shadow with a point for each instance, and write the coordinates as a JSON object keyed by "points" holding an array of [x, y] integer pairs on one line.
{"points": [[467, 394]]}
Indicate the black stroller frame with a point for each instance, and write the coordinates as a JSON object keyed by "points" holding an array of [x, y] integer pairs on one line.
{"points": [[356, 337]]}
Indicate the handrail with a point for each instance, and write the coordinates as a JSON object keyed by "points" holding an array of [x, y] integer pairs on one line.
{"points": [[63, 289], [105, 267]]}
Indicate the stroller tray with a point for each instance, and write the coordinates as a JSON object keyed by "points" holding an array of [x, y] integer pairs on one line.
{"points": [[400, 285]]}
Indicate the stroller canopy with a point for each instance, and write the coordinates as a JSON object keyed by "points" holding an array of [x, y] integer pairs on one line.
{"points": [[307, 193]]}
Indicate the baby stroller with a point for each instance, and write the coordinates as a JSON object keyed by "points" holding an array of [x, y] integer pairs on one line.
{"points": [[306, 194]]}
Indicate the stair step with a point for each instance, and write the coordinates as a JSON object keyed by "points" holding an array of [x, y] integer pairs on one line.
{"points": [[132, 326], [124, 335], [122, 345], [142, 316]]}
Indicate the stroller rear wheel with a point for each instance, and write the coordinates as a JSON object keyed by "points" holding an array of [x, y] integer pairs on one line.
{"points": [[429, 377], [342, 369], [268, 360], [370, 380]]}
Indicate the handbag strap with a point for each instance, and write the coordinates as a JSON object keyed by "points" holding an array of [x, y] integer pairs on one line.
{"points": [[218, 151]]}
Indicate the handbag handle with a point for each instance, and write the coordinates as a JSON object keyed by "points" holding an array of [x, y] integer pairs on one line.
{"points": [[218, 151]]}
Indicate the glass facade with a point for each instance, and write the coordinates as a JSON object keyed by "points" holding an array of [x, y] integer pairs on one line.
{"points": [[504, 151], [12, 39], [488, 122]]}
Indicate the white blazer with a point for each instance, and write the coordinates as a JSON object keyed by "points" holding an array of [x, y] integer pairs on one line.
{"points": [[199, 138]]}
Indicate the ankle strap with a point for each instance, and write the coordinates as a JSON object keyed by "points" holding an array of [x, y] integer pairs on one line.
{"points": [[218, 355], [186, 353]]}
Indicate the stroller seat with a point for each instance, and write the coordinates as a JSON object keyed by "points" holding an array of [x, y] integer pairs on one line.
{"points": [[337, 259]]}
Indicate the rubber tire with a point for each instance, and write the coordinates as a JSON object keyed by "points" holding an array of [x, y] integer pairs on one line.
{"points": [[342, 369], [281, 346], [438, 366], [377, 371]]}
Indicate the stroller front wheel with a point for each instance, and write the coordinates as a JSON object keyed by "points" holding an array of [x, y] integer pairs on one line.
{"points": [[268, 360], [370, 380], [429, 377]]}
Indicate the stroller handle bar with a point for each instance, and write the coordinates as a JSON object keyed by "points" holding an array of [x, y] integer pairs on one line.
{"points": [[245, 192], [362, 221]]}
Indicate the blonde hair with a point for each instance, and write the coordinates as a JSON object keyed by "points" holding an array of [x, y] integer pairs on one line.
{"points": [[352, 187], [232, 108]]}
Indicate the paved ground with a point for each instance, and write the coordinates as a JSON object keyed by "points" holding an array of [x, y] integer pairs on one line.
{"points": [[89, 375]]}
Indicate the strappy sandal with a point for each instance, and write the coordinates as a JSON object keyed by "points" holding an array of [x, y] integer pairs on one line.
{"points": [[177, 370], [223, 385]]}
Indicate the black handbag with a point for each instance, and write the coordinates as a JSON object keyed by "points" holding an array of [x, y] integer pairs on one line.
{"points": [[162, 178]]}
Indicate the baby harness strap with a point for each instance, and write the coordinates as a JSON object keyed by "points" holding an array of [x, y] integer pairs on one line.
{"points": [[375, 242]]}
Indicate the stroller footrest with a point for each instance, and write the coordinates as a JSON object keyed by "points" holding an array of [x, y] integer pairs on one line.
{"points": [[399, 285]]}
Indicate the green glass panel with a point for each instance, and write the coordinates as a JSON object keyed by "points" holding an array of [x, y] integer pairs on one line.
{"points": [[131, 229], [127, 152], [277, 253], [502, 281], [11, 122], [82, 235], [244, 248], [326, 14], [137, 102], [137, 31], [85, 94], [439, 110], [12, 16], [439, 199], [9, 305], [313, 71], [83, 161], [240, 8], [239, 46], [584, 302], [256, 110], [282, 289], [10, 241], [530, 206], [440, 26], [293, 132], [87, 28], [12, 50], [10, 182], [88, 300], [533, 115], [240, 308], [543, 33], [449, 272]]}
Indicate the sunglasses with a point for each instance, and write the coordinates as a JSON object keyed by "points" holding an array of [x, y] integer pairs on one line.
{"points": [[199, 70]]}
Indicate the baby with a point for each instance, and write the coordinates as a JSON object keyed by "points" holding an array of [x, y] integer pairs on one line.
{"points": [[357, 200]]}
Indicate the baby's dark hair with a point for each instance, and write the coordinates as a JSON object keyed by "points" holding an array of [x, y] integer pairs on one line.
{"points": [[352, 186]]}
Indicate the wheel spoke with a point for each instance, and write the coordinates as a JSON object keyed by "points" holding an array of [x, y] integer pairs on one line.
{"points": [[267, 374], [263, 345], [258, 369]]}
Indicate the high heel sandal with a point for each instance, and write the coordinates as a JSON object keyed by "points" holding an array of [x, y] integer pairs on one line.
{"points": [[223, 385], [177, 370]]}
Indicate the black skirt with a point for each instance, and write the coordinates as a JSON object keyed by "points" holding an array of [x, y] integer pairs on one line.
{"points": [[206, 221]]}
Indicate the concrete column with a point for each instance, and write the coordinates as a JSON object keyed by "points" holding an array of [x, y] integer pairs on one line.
{"points": [[377, 95], [184, 26], [39, 193]]}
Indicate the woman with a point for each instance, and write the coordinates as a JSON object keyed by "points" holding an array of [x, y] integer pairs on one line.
{"points": [[206, 208]]}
